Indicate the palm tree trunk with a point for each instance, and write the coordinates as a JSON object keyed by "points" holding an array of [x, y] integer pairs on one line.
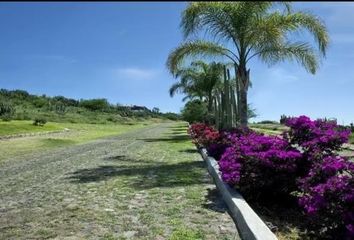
{"points": [[227, 100], [234, 108], [210, 102], [220, 109], [216, 111], [237, 82], [243, 107], [243, 76]]}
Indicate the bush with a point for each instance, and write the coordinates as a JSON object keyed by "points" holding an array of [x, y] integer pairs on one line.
{"points": [[303, 164], [114, 118], [260, 166], [315, 136], [60, 108], [39, 121], [7, 117], [268, 122], [327, 196], [7, 110], [95, 104], [325, 182], [194, 111], [283, 119], [172, 116], [203, 134]]}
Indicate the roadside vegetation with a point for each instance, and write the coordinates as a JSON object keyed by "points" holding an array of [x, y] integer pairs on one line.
{"points": [[21, 105], [300, 173], [291, 166], [235, 33], [92, 169]]}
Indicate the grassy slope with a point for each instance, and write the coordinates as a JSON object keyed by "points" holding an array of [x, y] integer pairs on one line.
{"points": [[78, 133], [18, 127]]}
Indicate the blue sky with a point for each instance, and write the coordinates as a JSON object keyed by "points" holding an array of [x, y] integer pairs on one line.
{"points": [[118, 51]]}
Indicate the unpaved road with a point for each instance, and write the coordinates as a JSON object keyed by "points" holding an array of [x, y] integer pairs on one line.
{"points": [[145, 184]]}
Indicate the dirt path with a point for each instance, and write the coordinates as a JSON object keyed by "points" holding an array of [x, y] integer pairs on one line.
{"points": [[145, 184]]}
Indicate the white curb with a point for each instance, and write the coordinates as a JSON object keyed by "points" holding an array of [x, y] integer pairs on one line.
{"points": [[248, 223]]}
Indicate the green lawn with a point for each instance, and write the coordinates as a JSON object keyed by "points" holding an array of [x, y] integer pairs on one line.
{"points": [[18, 127], [269, 129]]}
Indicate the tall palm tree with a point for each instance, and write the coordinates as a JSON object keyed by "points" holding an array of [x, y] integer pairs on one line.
{"points": [[252, 29], [200, 79]]}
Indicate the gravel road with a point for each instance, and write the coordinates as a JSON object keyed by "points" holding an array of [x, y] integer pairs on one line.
{"points": [[131, 186]]}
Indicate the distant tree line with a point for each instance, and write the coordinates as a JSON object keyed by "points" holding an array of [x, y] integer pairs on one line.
{"points": [[17, 104]]}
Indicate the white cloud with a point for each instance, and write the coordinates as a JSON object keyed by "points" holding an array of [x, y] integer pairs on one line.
{"points": [[135, 73]]}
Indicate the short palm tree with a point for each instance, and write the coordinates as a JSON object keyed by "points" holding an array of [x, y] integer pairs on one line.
{"points": [[198, 80], [251, 29]]}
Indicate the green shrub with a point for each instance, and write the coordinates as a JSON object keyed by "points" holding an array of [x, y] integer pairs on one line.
{"points": [[100, 104], [60, 108], [7, 118], [7, 110], [194, 111], [268, 122], [114, 118], [172, 116], [39, 121], [40, 102]]}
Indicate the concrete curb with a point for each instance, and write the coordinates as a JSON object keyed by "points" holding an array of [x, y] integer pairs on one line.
{"points": [[248, 223]]}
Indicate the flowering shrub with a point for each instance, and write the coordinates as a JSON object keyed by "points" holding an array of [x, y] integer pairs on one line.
{"points": [[325, 182], [327, 195], [196, 130], [203, 135], [304, 161], [320, 135], [259, 165], [214, 141]]}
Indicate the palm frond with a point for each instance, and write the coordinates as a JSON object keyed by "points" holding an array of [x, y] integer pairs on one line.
{"points": [[176, 87], [301, 52], [194, 49]]}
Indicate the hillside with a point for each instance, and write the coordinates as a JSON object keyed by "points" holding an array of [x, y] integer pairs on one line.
{"points": [[26, 106]]}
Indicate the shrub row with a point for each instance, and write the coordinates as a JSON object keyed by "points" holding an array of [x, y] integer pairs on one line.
{"points": [[300, 164]]}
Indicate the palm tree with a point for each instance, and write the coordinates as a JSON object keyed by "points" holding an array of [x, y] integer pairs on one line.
{"points": [[198, 80], [252, 29]]}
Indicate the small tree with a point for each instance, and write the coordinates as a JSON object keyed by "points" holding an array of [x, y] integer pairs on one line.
{"points": [[99, 104], [39, 121], [60, 108], [194, 111], [7, 110], [156, 110]]}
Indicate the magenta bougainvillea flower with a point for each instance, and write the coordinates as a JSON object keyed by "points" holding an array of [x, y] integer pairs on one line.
{"points": [[303, 160]]}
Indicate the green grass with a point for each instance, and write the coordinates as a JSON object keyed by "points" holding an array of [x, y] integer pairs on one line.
{"points": [[186, 234], [19, 127], [351, 139], [273, 127], [78, 133]]}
